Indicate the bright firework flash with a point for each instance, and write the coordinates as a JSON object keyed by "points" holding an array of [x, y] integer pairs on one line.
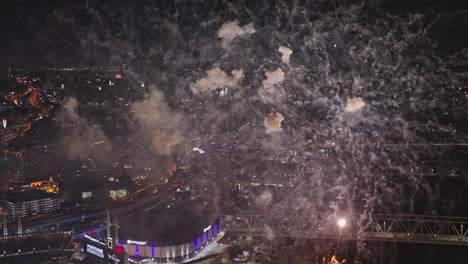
{"points": [[330, 260]]}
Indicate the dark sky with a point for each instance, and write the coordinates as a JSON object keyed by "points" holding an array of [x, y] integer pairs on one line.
{"points": [[36, 33]]}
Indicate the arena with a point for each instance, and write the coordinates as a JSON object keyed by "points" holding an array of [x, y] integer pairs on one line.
{"points": [[168, 235]]}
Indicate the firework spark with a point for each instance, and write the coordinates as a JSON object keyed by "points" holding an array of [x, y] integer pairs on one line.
{"points": [[330, 260]]}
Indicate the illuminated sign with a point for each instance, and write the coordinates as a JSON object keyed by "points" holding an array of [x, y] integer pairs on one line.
{"points": [[107, 254], [141, 243], [95, 251], [91, 233], [113, 257], [206, 229], [119, 249], [94, 239]]}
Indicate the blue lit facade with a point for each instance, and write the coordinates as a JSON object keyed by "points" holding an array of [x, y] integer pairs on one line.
{"points": [[169, 251]]}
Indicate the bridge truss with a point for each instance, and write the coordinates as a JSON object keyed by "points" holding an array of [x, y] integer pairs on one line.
{"points": [[377, 227]]}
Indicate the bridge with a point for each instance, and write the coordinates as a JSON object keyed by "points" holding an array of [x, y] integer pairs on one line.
{"points": [[375, 227]]}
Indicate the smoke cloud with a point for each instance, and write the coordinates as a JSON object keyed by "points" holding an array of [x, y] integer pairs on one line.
{"points": [[269, 93], [231, 30], [159, 122], [273, 78], [354, 104], [286, 52], [273, 123], [83, 139], [264, 199], [164, 142], [217, 78]]}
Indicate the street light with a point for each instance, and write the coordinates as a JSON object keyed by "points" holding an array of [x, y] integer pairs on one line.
{"points": [[341, 222]]}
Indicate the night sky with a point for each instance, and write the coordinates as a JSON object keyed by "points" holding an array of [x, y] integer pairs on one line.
{"points": [[39, 33]]}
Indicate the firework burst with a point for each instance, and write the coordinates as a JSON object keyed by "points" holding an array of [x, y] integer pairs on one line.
{"points": [[330, 260]]}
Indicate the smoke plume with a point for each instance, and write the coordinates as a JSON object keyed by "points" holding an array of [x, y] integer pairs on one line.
{"points": [[158, 122], [273, 78], [217, 78], [286, 53], [83, 139], [273, 123], [354, 104], [231, 30]]}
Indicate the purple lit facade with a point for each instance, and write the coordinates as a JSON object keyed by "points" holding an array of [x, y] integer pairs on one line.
{"points": [[173, 251], [195, 245]]}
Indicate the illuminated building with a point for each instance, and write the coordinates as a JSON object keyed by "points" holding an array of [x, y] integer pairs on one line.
{"points": [[86, 195], [157, 252], [118, 193], [48, 186], [30, 203], [173, 238]]}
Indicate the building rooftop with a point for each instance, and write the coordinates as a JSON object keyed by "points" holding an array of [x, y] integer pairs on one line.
{"points": [[27, 196], [166, 226]]}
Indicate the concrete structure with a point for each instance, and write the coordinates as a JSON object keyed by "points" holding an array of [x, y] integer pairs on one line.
{"points": [[30, 203]]}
